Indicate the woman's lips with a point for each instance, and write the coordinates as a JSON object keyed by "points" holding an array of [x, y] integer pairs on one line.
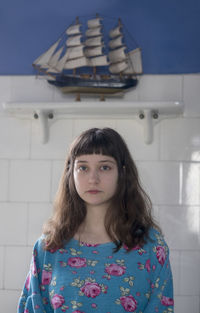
{"points": [[93, 191]]}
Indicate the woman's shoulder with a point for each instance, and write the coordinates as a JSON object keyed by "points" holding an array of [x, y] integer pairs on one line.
{"points": [[157, 246], [156, 239], [39, 245], [155, 235]]}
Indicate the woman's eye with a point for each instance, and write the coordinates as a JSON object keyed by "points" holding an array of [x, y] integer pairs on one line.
{"points": [[82, 168], [105, 168]]}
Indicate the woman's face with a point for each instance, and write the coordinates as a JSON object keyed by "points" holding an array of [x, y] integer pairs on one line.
{"points": [[95, 178]]}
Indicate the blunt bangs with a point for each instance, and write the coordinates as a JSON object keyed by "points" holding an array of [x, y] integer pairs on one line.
{"points": [[96, 141]]}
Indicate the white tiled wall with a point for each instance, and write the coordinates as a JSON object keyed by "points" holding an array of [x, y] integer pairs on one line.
{"points": [[169, 169]]}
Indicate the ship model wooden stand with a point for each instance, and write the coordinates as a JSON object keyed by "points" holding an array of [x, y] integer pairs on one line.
{"points": [[83, 63]]}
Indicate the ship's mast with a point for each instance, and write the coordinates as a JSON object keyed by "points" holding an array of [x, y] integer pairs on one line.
{"points": [[94, 67], [77, 22], [120, 25], [94, 44]]}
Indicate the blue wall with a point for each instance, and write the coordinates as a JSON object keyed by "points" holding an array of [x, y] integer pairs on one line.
{"points": [[167, 31]]}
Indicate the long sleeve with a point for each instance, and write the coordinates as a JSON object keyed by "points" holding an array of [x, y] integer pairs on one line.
{"points": [[32, 300], [161, 296]]}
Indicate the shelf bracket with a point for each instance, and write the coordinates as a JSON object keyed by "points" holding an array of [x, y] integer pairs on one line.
{"points": [[43, 117], [148, 118]]}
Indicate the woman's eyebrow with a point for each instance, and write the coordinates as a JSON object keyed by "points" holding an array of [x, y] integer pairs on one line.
{"points": [[101, 161], [104, 161]]}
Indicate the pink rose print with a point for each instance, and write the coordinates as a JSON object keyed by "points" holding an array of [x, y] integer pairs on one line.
{"points": [[115, 270], [167, 301], [45, 301], [160, 254], [62, 251], [148, 265], [46, 277], [57, 301], [53, 250], [135, 248], [77, 262], [91, 289], [128, 303], [28, 282], [94, 305], [26, 311], [77, 311]]}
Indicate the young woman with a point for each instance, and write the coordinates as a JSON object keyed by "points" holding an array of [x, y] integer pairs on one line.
{"points": [[101, 251]]}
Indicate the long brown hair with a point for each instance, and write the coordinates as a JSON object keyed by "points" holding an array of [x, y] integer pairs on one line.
{"points": [[128, 219]]}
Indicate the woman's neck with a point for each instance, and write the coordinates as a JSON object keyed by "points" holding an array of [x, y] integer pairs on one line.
{"points": [[92, 230]]}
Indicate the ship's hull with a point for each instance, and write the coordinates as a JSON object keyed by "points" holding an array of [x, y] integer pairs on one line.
{"points": [[77, 84]]}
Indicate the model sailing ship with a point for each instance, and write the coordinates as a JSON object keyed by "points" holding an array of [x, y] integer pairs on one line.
{"points": [[65, 61]]}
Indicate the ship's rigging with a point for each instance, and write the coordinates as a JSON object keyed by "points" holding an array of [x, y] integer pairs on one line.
{"points": [[74, 52]]}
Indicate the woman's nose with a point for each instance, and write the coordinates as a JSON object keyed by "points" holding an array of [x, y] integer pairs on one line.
{"points": [[94, 176]]}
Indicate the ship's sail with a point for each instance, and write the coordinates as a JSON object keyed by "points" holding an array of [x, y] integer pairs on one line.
{"points": [[74, 56], [87, 53], [73, 30], [94, 44], [77, 50], [134, 59], [43, 59], [117, 55], [92, 52], [122, 62], [115, 32]]}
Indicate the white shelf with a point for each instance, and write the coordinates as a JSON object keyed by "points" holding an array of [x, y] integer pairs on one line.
{"points": [[148, 113]]}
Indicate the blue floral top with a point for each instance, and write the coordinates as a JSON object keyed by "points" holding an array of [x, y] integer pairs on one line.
{"points": [[82, 278]]}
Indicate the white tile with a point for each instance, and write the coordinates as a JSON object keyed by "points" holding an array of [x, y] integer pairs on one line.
{"points": [[2, 249], [57, 171], [9, 300], [180, 139], [186, 304], [175, 267], [30, 181], [190, 189], [190, 273], [133, 133], [81, 125], [4, 168], [160, 87], [38, 214], [13, 223], [14, 138], [181, 225], [60, 136], [161, 181], [17, 264], [132, 95], [5, 89], [191, 94], [30, 88], [155, 213]]}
